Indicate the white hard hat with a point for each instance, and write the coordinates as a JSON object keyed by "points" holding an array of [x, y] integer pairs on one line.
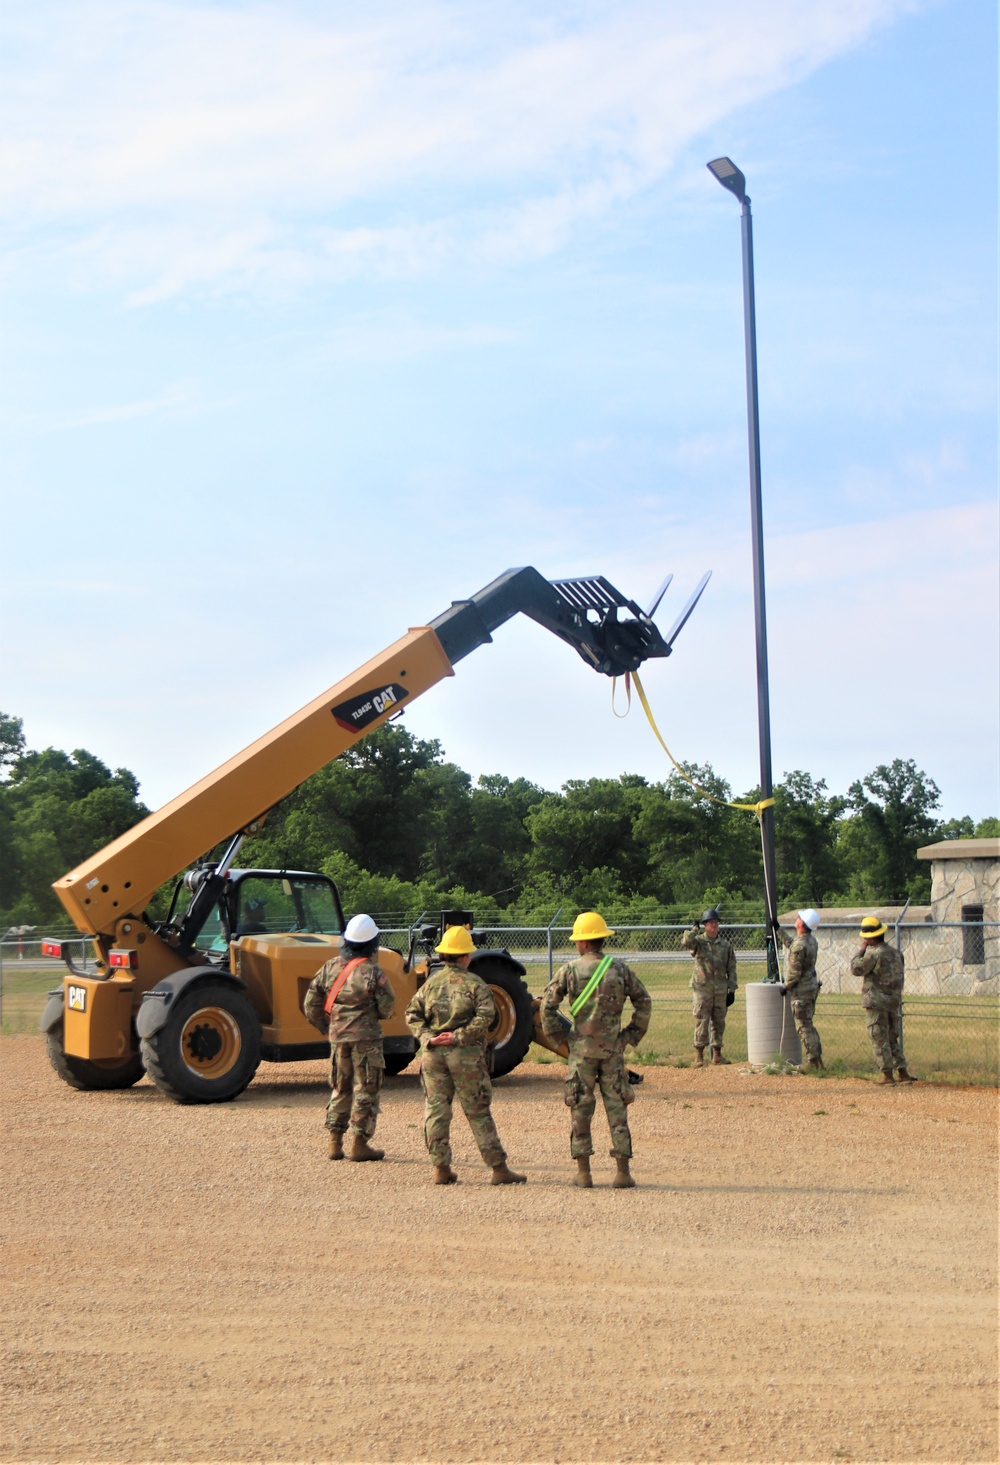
{"points": [[359, 930], [810, 917]]}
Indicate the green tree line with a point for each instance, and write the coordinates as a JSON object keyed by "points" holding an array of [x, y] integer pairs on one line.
{"points": [[402, 830]]}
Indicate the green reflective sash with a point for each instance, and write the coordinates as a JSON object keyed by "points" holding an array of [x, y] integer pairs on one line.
{"points": [[591, 986]]}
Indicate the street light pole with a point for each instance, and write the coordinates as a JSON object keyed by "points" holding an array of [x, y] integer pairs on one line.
{"points": [[727, 173]]}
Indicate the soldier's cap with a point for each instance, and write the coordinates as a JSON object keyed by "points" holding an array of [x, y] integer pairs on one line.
{"points": [[710, 915], [871, 928]]}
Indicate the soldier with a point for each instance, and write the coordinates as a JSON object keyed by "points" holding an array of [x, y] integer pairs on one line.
{"points": [[346, 998], [714, 983], [881, 967], [801, 982], [597, 986], [450, 1016]]}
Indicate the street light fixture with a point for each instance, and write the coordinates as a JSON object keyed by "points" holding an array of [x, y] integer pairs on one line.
{"points": [[727, 173]]}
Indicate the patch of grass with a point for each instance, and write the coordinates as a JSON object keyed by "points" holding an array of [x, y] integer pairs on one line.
{"points": [[819, 1111]]}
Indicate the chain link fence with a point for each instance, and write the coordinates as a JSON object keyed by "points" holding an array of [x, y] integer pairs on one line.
{"points": [[950, 1013]]}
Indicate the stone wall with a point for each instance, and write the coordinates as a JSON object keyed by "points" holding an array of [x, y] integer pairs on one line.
{"points": [[956, 883]]}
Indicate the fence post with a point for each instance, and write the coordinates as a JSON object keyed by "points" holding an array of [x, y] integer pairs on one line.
{"points": [[548, 938], [899, 948]]}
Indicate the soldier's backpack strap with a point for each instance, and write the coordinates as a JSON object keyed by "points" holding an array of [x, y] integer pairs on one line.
{"points": [[591, 987], [335, 990]]}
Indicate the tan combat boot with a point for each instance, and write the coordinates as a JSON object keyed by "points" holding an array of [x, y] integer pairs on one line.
{"points": [[362, 1150], [887, 1076], [905, 1077], [623, 1177], [336, 1139], [699, 1058], [444, 1175], [504, 1176], [583, 1177], [717, 1056]]}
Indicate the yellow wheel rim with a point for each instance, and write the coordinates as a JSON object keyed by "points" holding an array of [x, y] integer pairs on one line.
{"points": [[506, 1018], [210, 1042]]}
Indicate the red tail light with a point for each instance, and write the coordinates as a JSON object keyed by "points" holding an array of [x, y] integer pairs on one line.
{"points": [[127, 959], [53, 948]]}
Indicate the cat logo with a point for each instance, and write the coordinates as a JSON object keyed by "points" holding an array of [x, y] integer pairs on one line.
{"points": [[363, 710], [76, 997]]}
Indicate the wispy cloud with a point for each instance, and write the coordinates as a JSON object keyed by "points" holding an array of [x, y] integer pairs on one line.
{"points": [[177, 395], [180, 147]]}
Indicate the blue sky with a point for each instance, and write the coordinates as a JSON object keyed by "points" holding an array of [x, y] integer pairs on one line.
{"points": [[314, 324]]}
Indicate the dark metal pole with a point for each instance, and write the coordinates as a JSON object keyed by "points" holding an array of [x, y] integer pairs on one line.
{"points": [[760, 612]]}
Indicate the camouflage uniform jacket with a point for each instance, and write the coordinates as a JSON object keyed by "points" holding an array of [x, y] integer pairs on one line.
{"points": [[881, 967], [452, 1000], [597, 1030], [800, 963], [364, 998], [714, 960]]}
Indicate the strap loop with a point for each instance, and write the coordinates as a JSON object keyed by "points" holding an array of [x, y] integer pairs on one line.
{"points": [[756, 809]]}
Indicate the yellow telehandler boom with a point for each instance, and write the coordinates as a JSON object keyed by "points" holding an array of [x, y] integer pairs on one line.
{"points": [[196, 1000]]}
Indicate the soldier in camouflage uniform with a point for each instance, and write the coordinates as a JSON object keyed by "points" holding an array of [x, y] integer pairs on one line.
{"points": [[357, 1066], [714, 983], [450, 1016], [801, 982], [597, 1042], [881, 967]]}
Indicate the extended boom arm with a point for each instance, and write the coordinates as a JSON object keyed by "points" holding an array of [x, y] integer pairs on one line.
{"points": [[118, 882]]}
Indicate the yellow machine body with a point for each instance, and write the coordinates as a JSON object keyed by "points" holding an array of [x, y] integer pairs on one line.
{"points": [[277, 971], [96, 1024], [107, 894]]}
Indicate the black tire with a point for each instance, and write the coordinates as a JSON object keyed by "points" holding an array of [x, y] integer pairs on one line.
{"points": [[90, 1073], [515, 1020], [208, 1050], [396, 1062]]}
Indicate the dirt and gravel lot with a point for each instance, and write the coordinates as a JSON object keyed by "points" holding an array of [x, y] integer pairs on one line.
{"points": [[808, 1272]]}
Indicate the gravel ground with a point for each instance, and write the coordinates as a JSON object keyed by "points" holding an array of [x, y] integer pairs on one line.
{"points": [[806, 1273]]}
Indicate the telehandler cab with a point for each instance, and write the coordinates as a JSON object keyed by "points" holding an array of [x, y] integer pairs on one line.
{"points": [[198, 999]]}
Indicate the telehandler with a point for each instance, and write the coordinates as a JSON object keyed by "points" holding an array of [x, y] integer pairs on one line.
{"points": [[198, 999]]}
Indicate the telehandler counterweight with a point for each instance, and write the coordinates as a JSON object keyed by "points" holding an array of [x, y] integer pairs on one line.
{"points": [[198, 999]]}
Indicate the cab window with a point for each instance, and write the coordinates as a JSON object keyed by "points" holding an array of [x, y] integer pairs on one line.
{"points": [[285, 903]]}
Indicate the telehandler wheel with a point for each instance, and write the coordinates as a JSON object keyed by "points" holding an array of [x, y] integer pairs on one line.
{"points": [[92, 1073], [515, 1020], [208, 1050], [396, 1062]]}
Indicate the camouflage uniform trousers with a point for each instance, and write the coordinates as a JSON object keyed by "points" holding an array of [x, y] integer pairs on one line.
{"points": [[444, 1073], [356, 1074], [803, 1010], [884, 1029], [582, 1079], [710, 1012]]}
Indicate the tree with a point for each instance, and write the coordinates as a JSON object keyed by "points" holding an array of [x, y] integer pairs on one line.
{"points": [[893, 806], [56, 809], [805, 834], [11, 742], [587, 827], [370, 803]]}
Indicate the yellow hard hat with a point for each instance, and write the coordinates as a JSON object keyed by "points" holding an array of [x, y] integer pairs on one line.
{"points": [[456, 941], [589, 926], [871, 927]]}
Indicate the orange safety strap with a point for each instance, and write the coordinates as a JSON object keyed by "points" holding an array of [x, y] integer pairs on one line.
{"points": [[334, 991]]}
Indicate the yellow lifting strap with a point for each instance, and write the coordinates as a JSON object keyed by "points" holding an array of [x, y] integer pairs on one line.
{"points": [[630, 677]]}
